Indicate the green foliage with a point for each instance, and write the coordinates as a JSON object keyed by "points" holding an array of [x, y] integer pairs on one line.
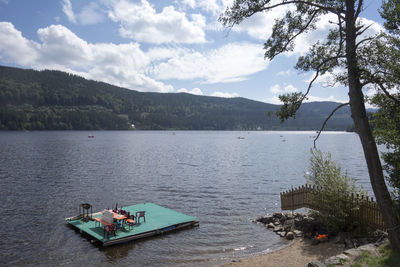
{"points": [[38, 100], [333, 199], [391, 13], [291, 104], [387, 132], [386, 258]]}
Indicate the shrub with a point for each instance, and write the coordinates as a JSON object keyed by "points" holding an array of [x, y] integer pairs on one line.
{"points": [[333, 195]]}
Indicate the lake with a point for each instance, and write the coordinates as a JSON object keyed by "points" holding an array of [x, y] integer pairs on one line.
{"points": [[222, 180]]}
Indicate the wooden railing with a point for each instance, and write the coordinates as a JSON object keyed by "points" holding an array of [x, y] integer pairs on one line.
{"points": [[302, 197]]}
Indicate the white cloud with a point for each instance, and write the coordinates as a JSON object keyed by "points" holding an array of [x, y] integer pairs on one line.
{"points": [[67, 9], [224, 94], [276, 89], [273, 100], [290, 89], [260, 25], [123, 64], [328, 79], [331, 98], [141, 22], [285, 73], [212, 6], [90, 14], [229, 63], [374, 28], [61, 45], [276, 101], [14, 48], [305, 41], [197, 91], [194, 91]]}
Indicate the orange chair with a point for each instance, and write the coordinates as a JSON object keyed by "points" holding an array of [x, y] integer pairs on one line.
{"points": [[131, 222]]}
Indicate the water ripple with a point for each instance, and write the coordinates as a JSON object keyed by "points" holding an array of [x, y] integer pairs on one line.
{"points": [[225, 183]]}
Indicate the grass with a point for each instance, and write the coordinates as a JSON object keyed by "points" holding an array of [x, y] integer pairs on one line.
{"points": [[387, 258]]}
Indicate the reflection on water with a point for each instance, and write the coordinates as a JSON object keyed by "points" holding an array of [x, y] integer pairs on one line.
{"points": [[222, 180]]}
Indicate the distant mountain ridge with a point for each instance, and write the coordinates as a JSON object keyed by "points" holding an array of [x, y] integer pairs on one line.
{"points": [[55, 100]]}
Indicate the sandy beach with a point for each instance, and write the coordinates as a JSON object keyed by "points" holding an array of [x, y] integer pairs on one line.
{"points": [[297, 254]]}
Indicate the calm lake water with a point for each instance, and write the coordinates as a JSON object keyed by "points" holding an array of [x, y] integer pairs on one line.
{"points": [[222, 180]]}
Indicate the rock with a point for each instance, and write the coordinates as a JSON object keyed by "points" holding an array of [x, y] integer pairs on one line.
{"points": [[314, 241], [336, 260], [278, 229], [341, 246], [316, 264], [342, 257], [277, 222], [368, 248], [283, 218], [348, 243], [298, 215], [289, 222], [379, 237], [307, 224], [341, 237], [260, 219], [270, 225], [362, 241], [290, 236], [282, 234], [352, 252], [298, 233], [278, 215], [308, 234], [265, 220], [323, 239], [289, 216]]}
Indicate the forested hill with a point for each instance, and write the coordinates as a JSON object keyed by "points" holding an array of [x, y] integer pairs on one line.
{"points": [[54, 100]]}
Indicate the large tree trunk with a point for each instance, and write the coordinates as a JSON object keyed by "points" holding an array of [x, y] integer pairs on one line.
{"points": [[390, 217]]}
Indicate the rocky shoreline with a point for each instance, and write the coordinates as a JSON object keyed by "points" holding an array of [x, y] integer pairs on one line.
{"points": [[299, 225]]}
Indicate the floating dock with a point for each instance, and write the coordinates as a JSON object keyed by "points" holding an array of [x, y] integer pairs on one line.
{"points": [[159, 220]]}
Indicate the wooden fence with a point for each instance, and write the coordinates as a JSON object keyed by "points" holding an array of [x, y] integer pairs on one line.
{"points": [[302, 197]]}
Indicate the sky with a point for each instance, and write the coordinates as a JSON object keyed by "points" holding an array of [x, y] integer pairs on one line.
{"points": [[163, 46]]}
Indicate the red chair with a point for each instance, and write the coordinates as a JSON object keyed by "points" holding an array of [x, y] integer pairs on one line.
{"points": [[110, 229], [140, 214]]}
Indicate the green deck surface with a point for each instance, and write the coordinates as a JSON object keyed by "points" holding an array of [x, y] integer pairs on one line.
{"points": [[157, 219]]}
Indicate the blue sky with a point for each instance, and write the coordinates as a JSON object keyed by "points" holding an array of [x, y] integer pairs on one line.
{"points": [[161, 46]]}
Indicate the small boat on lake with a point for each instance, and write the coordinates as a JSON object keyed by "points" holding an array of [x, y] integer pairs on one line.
{"points": [[110, 227]]}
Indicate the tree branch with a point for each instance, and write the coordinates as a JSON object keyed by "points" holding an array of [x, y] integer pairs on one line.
{"points": [[230, 22], [332, 10], [359, 8], [364, 40], [301, 30], [326, 120], [382, 87], [318, 71], [365, 28], [341, 41]]}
